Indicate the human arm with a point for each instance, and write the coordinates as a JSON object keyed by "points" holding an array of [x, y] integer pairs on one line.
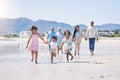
{"points": [[86, 35], [28, 41], [61, 45], [96, 32], [81, 34], [42, 38]]}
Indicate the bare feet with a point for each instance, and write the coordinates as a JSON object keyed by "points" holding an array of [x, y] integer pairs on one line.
{"points": [[78, 53], [32, 60], [71, 58], [36, 62], [51, 61], [67, 61]]}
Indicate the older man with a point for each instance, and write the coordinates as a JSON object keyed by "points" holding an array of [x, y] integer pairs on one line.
{"points": [[92, 34]]}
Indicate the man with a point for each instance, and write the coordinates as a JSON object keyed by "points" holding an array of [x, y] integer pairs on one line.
{"points": [[92, 34], [60, 36]]}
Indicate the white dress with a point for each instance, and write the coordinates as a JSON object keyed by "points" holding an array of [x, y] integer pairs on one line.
{"points": [[67, 45]]}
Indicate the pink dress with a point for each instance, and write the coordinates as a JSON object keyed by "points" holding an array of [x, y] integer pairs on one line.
{"points": [[34, 45]]}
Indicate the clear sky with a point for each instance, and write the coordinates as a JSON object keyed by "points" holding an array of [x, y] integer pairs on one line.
{"points": [[68, 11]]}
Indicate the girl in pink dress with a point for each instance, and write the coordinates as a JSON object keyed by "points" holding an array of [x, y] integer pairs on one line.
{"points": [[34, 43]]}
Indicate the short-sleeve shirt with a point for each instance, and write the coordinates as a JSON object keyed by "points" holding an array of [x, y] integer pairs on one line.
{"points": [[50, 35], [53, 45], [77, 35], [67, 43]]}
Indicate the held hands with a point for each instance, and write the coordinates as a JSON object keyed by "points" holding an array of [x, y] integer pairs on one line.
{"points": [[97, 39], [26, 47], [86, 38], [46, 42]]}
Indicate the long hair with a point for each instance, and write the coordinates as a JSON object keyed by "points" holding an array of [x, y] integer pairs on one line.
{"points": [[75, 30]]}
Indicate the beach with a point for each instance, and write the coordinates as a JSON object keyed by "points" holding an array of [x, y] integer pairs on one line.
{"points": [[15, 62]]}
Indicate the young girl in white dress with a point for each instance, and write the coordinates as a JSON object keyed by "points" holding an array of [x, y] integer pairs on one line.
{"points": [[67, 45]]}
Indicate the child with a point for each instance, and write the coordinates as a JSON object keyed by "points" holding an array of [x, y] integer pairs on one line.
{"points": [[54, 48], [51, 33], [67, 45], [77, 37], [34, 45]]}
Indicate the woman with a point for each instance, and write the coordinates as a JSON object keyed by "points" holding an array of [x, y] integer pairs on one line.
{"points": [[77, 38], [92, 34]]}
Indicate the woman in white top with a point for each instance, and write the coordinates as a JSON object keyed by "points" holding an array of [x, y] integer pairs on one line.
{"points": [[77, 38], [92, 34]]}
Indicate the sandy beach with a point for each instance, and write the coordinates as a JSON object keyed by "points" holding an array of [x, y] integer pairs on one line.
{"points": [[104, 65]]}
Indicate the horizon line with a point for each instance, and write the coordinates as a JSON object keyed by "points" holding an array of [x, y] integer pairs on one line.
{"points": [[53, 21]]}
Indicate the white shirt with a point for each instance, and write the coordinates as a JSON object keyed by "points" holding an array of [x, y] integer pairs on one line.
{"points": [[53, 45], [91, 32], [77, 35], [59, 36]]}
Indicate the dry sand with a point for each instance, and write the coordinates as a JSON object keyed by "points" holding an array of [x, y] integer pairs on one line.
{"points": [[104, 65]]}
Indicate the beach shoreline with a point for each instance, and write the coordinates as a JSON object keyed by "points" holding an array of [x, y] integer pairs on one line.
{"points": [[15, 63], [5, 38]]}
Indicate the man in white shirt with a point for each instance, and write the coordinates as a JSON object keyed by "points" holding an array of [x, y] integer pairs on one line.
{"points": [[92, 34], [60, 37]]}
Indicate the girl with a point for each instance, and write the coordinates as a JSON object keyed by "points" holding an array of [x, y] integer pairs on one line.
{"points": [[77, 37], [67, 45], [54, 47], [34, 45]]}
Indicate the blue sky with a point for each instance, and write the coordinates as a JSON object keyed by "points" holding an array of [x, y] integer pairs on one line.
{"points": [[68, 11]]}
